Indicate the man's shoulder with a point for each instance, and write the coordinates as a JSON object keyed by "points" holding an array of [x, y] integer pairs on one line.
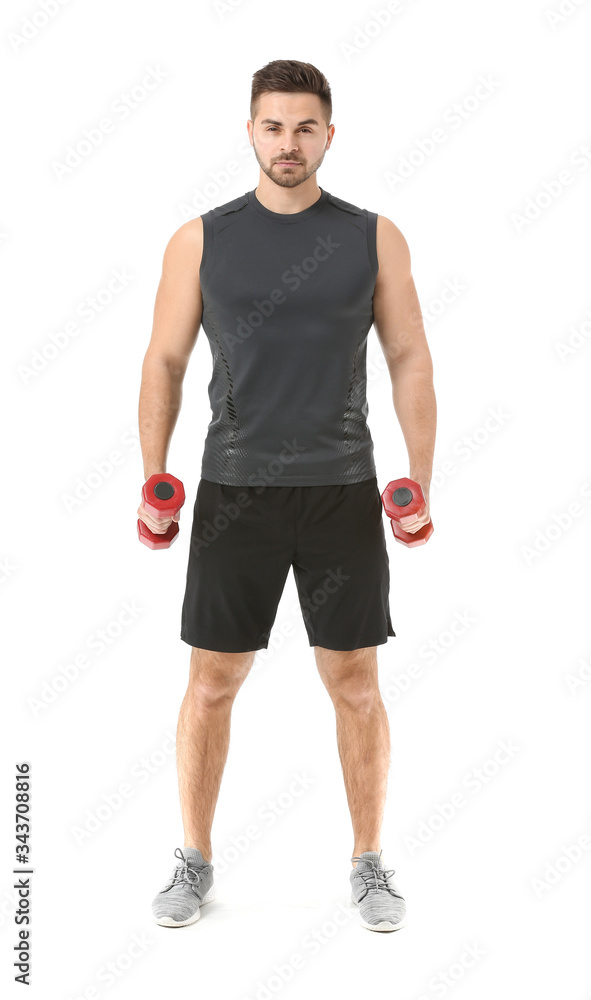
{"points": [[192, 230], [392, 250], [235, 205], [185, 246], [190, 234], [389, 236], [346, 206]]}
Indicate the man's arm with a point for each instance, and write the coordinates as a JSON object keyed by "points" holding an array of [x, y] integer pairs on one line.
{"points": [[399, 326], [177, 318]]}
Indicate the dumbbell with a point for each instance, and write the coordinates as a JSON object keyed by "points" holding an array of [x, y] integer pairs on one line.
{"points": [[162, 496], [401, 498]]}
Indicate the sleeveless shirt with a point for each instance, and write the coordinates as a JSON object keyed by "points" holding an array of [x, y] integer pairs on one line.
{"points": [[287, 307]]}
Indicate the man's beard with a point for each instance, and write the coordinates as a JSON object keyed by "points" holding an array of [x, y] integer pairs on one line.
{"points": [[285, 177]]}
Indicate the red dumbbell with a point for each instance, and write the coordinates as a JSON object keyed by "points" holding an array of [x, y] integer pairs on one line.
{"points": [[162, 496], [401, 498]]}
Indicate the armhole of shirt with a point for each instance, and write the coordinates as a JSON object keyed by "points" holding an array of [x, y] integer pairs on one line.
{"points": [[372, 244], [208, 235]]}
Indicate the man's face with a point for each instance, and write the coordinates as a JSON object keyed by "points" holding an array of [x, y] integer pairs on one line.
{"points": [[289, 127]]}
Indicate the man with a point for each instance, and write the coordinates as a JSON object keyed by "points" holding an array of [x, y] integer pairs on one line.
{"points": [[287, 280]]}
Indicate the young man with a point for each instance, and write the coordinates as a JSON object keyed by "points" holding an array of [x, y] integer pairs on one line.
{"points": [[287, 280]]}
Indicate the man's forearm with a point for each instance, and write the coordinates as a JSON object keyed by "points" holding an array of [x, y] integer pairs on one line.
{"points": [[159, 406], [414, 402]]}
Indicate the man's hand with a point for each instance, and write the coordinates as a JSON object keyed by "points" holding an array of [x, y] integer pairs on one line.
{"points": [[159, 525], [414, 522]]}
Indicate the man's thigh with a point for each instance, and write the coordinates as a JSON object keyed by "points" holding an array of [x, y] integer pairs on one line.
{"points": [[341, 566], [240, 554]]}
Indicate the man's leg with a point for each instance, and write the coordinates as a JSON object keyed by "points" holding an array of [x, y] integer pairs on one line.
{"points": [[203, 737], [363, 737]]}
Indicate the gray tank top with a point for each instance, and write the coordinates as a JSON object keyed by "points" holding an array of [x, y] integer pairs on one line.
{"points": [[287, 307]]}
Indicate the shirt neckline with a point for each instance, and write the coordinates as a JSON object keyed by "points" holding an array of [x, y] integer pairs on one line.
{"points": [[283, 217]]}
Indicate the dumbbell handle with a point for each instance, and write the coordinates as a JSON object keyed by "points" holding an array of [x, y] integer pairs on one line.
{"points": [[163, 496], [401, 498]]}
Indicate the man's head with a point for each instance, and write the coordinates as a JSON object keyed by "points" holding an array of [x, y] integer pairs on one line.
{"points": [[290, 112]]}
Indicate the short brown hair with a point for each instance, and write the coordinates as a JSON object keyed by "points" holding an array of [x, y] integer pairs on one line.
{"points": [[289, 76]]}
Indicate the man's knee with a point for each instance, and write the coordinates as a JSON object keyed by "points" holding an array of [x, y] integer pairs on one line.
{"points": [[354, 694], [216, 676], [350, 676]]}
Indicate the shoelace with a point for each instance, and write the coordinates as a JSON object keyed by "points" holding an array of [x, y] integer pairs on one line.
{"points": [[378, 874], [183, 872]]}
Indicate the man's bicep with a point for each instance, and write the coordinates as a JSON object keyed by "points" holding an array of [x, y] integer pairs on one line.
{"points": [[178, 305], [398, 319]]}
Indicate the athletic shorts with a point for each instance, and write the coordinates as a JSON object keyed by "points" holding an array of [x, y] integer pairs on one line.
{"points": [[244, 539]]}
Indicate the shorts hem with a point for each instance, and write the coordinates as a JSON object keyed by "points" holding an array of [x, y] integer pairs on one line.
{"points": [[360, 643], [205, 640]]}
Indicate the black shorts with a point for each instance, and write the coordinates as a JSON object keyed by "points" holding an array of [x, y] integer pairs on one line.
{"points": [[244, 539]]}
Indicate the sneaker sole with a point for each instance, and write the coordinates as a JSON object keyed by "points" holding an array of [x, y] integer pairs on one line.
{"points": [[169, 922], [384, 925]]}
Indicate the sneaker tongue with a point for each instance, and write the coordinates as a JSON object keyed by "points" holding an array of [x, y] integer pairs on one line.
{"points": [[193, 854], [366, 858]]}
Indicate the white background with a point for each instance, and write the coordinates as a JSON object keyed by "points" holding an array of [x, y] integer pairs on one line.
{"points": [[489, 212]]}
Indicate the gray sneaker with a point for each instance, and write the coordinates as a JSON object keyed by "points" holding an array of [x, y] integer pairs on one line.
{"points": [[189, 886], [381, 907]]}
